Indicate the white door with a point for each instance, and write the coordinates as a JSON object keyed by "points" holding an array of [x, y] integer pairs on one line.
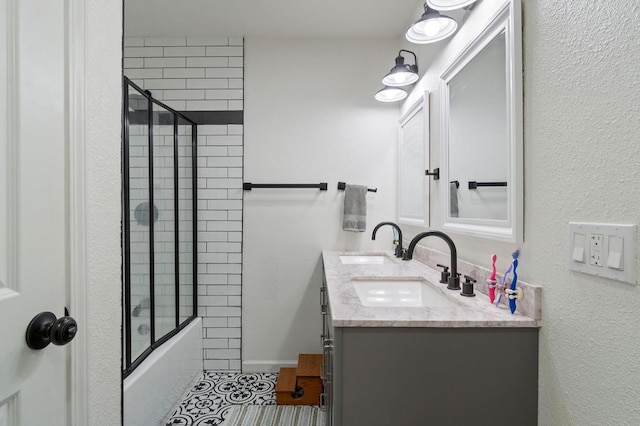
{"points": [[34, 246]]}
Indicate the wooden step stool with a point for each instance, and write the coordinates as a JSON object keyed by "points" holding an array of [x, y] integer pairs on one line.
{"points": [[301, 385]]}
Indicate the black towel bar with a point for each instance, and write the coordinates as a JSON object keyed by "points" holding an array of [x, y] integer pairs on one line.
{"points": [[474, 184], [248, 186], [342, 186]]}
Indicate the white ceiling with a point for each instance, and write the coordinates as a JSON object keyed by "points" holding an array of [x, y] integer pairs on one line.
{"points": [[271, 18]]}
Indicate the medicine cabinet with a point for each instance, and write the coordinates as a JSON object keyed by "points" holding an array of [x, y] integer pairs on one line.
{"points": [[481, 132]]}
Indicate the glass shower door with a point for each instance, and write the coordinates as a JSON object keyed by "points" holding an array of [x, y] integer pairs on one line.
{"points": [[164, 241], [186, 218], [138, 223], [159, 224]]}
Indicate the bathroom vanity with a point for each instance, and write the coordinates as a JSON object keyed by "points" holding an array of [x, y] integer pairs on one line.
{"points": [[401, 349]]}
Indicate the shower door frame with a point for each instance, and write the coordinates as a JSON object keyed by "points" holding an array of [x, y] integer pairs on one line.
{"points": [[129, 364]]}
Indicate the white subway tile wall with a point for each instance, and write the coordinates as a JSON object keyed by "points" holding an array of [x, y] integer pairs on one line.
{"points": [[198, 74]]}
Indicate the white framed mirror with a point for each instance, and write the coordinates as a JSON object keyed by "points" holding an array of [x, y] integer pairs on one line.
{"points": [[413, 160], [481, 131]]}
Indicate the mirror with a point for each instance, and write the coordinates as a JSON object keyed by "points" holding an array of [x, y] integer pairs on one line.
{"points": [[477, 96], [413, 160], [481, 113]]}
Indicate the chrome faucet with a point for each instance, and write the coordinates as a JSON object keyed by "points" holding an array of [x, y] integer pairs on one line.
{"points": [[454, 279], [399, 250]]}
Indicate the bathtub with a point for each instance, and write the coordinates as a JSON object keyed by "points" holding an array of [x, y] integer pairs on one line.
{"points": [[155, 388]]}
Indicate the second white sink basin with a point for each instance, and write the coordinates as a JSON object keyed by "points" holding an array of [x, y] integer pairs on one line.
{"points": [[364, 259], [400, 293]]}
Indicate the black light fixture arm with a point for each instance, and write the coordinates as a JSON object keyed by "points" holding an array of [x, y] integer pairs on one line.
{"points": [[415, 58], [400, 60]]}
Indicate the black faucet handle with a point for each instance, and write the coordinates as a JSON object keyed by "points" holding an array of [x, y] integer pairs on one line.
{"points": [[467, 286], [444, 275]]}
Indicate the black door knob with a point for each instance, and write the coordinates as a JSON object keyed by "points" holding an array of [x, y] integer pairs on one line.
{"points": [[45, 328]]}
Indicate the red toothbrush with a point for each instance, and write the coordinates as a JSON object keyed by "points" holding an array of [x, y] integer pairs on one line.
{"points": [[491, 282]]}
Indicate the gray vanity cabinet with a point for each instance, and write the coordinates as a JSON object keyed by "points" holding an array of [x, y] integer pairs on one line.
{"points": [[416, 376], [327, 341]]}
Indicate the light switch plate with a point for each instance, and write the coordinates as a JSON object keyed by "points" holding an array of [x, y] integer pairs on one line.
{"points": [[578, 249], [609, 250]]}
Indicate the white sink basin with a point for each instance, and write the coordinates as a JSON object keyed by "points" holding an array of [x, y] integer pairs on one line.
{"points": [[400, 293], [363, 259]]}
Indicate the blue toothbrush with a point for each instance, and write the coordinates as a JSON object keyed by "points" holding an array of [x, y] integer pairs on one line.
{"points": [[512, 298], [514, 255]]}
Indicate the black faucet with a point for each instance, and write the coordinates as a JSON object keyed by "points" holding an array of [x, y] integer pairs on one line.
{"points": [[399, 251], [454, 279]]}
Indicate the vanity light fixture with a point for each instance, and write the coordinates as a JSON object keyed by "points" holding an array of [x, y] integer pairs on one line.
{"points": [[449, 4], [391, 94], [431, 27], [402, 74]]}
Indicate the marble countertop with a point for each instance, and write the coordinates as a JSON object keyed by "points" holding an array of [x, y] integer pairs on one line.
{"points": [[348, 311]]}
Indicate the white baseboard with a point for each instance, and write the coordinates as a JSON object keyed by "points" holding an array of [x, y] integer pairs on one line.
{"points": [[266, 366]]}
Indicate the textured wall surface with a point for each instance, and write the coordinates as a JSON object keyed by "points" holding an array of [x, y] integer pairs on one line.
{"points": [[581, 91], [582, 163], [103, 127]]}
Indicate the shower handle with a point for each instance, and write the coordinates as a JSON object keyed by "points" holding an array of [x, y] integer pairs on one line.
{"points": [[45, 328]]}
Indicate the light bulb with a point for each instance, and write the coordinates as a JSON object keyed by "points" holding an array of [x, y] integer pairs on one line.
{"points": [[390, 94], [431, 27], [400, 78], [393, 79], [447, 5]]}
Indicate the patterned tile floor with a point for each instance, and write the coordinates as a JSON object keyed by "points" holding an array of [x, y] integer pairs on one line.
{"points": [[213, 395]]}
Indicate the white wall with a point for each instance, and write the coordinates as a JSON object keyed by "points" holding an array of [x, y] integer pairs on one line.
{"points": [[581, 113], [102, 143], [582, 156], [303, 127]]}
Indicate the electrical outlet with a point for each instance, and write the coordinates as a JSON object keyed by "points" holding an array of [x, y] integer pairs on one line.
{"points": [[606, 250], [595, 249]]}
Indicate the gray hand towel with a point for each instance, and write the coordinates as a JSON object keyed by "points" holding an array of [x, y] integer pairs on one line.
{"points": [[355, 208], [453, 199]]}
